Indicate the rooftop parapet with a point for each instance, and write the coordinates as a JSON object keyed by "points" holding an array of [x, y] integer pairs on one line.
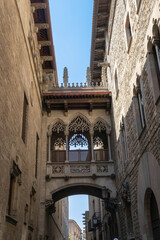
{"points": [[91, 85]]}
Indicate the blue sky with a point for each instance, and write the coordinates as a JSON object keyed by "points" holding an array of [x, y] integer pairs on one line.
{"points": [[72, 29], [78, 204]]}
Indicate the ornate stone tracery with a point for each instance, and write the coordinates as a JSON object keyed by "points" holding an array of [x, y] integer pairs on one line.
{"points": [[98, 143], [59, 143], [99, 126], [80, 169], [78, 140], [59, 126], [78, 124]]}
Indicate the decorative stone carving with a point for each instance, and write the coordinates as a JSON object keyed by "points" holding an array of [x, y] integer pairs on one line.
{"points": [[99, 126], [58, 169], [88, 76], [59, 143], [65, 76], [80, 169], [125, 192], [102, 168], [32, 37], [78, 140], [78, 124], [98, 142], [59, 126]]}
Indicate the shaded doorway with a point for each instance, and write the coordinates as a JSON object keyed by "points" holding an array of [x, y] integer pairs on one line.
{"points": [[155, 221]]}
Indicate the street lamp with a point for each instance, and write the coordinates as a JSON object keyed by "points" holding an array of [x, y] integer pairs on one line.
{"points": [[105, 193], [95, 221]]}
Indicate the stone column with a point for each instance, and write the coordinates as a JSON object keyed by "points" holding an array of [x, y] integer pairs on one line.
{"points": [[108, 132], [92, 146], [67, 145], [49, 146]]}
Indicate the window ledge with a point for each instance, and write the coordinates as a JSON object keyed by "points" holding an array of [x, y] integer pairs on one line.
{"points": [[11, 220]]}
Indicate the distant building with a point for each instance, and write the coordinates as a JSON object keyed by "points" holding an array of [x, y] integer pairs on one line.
{"points": [[75, 232]]}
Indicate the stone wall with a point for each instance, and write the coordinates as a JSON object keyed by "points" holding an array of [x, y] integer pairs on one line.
{"points": [[18, 76], [129, 62]]}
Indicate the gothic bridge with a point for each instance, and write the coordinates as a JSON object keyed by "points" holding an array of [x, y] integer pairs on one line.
{"points": [[79, 155]]}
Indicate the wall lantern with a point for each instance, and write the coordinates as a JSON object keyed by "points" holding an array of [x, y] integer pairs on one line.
{"points": [[95, 221], [105, 193]]}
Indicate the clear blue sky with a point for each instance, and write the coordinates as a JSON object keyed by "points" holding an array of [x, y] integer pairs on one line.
{"points": [[72, 29], [78, 204]]}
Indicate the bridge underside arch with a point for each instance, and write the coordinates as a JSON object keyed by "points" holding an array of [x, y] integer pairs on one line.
{"points": [[79, 189]]}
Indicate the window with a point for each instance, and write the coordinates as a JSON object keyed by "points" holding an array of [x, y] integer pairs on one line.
{"points": [[24, 120], [124, 2], [11, 193], [123, 141], [15, 180], [116, 83], [128, 31], [138, 2], [156, 54], [153, 59], [31, 208], [139, 106], [37, 147]]}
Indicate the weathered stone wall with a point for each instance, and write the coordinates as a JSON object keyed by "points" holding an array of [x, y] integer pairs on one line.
{"points": [[17, 75], [128, 63]]}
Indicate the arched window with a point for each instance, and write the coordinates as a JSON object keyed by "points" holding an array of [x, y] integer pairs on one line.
{"points": [[128, 31], [79, 140], [156, 49], [58, 143], [138, 102], [154, 60], [100, 141]]}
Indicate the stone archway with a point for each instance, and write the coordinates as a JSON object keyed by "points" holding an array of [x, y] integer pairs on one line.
{"points": [[148, 183], [76, 190], [152, 215]]}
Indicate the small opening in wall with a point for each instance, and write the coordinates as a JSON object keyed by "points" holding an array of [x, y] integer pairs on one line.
{"points": [[128, 31], [116, 83], [138, 2]]}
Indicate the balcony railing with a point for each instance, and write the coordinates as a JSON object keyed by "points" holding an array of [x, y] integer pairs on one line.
{"points": [[101, 155], [79, 155]]}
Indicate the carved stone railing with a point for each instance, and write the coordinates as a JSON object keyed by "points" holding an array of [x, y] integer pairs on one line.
{"points": [[78, 85], [87, 169]]}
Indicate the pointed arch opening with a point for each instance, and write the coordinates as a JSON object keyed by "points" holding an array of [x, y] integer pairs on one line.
{"points": [[101, 140], [79, 140]]}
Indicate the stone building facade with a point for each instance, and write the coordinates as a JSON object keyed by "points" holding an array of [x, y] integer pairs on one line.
{"points": [[75, 232], [131, 67], [116, 114], [25, 73]]}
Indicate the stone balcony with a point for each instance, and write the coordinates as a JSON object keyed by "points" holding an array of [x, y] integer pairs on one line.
{"points": [[81, 169]]}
